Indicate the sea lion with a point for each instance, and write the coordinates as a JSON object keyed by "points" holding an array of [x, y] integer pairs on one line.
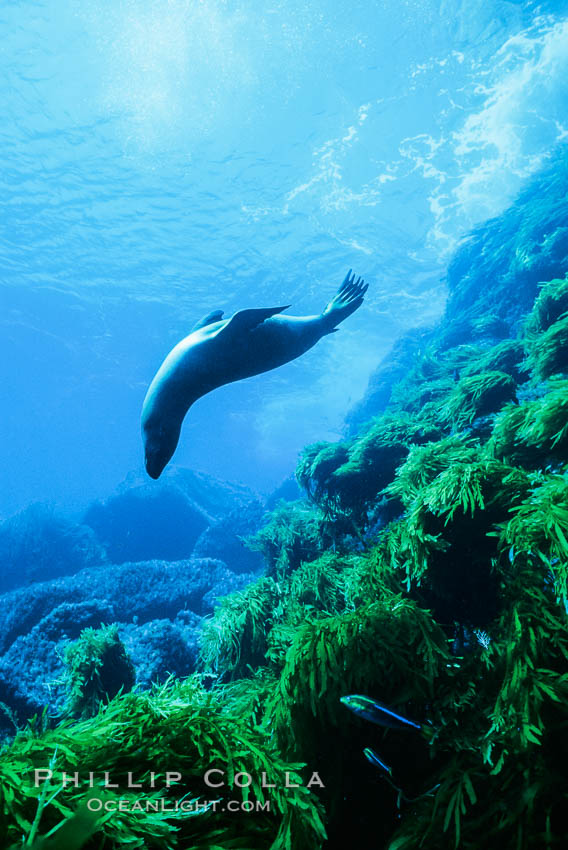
{"points": [[219, 351]]}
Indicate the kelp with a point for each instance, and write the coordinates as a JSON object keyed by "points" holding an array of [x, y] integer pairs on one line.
{"points": [[235, 638], [254, 627], [391, 647], [320, 585], [549, 306], [425, 463], [547, 352], [97, 668], [454, 493], [477, 395], [499, 741], [489, 325], [537, 532], [245, 697], [294, 534], [431, 378], [506, 357], [546, 330], [534, 433], [70, 834], [361, 470], [452, 612], [137, 739]]}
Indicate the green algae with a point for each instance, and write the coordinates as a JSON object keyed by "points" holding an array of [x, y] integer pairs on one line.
{"points": [[427, 567], [346, 479], [454, 607], [175, 728], [477, 395], [550, 305], [294, 534], [97, 668]]}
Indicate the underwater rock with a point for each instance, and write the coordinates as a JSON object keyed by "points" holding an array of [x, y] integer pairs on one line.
{"points": [[497, 270], [145, 523], [33, 668], [213, 496], [389, 372], [223, 540], [161, 648], [164, 520], [32, 672], [148, 591], [15, 704], [157, 605], [288, 491], [37, 544], [67, 621]]}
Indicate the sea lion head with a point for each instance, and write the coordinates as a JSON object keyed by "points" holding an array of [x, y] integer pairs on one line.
{"points": [[159, 445]]}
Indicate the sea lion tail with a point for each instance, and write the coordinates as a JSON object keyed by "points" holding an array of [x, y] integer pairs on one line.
{"points": [[347, 299]]}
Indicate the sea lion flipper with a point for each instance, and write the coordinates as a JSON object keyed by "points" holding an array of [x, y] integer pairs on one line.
{"points": [[246, 320], [214, 316], [346, 300]]}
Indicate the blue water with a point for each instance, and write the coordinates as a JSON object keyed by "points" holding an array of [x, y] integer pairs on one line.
{"points": [[163, 159]]}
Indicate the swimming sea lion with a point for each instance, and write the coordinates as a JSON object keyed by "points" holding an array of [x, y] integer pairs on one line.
{"points": [[219, 351]]}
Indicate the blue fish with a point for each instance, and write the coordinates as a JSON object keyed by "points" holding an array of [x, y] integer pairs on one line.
{"points": [[370, 709], [371, 756]]}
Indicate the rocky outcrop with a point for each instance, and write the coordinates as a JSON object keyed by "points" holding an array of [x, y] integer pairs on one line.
{"points": [[492, 282], [157, 605]]}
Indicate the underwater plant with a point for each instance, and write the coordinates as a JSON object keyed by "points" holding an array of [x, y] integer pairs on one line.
{"points": [[477, 395], [537, 532], [549, 306], [455, 494], [352, 483], [97, 668], [546, 330], [255, 627], [490, 325], [292, 535], [534, 434], [164, 741], [320, 585], [507, 357], [547, 351], [379, 648], [498, 744], [235, 637]]}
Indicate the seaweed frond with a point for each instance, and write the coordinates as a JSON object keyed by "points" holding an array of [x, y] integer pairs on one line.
{"points": [[477, 395], [292, 535], [97, 668], [177, 730]]}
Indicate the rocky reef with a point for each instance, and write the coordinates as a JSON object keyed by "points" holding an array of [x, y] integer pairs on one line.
{"points": [[425, 566], [158, 606], [143, 560], [493, 280]]}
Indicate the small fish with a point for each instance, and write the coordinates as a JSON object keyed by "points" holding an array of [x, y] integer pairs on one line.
{"points": [[370, 709], [371, 756]]}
